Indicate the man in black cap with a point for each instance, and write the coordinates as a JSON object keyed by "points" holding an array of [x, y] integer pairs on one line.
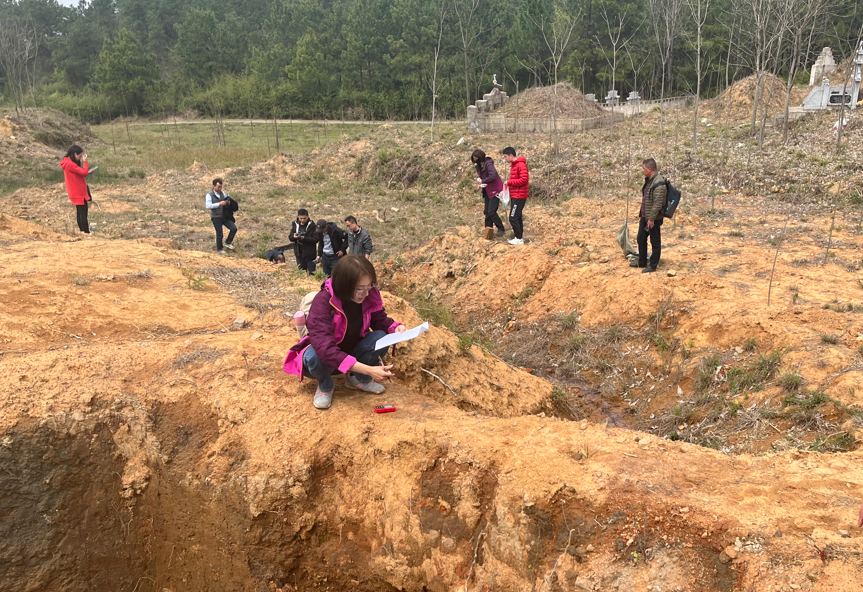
{"points": [[332, 244]]}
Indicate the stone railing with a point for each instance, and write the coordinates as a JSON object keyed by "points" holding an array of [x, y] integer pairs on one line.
{"points": [[500, 123], [632, 107]]}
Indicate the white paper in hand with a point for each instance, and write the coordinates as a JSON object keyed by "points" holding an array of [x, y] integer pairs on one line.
{"points": [[394, 338]]}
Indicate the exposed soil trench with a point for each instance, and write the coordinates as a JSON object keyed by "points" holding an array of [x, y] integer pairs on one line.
{"points": [[67, 525]]}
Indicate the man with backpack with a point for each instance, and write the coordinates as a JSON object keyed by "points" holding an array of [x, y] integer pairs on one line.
{"points": [[305, 240], [653, 197], [332, 244]]}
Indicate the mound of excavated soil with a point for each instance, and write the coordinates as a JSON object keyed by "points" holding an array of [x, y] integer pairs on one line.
{"points": [[144, 444], [52, 128], [539, 100], [739, 98]]}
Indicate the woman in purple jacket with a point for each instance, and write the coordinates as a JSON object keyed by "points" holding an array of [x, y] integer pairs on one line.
{"points": [[490, 184], [346, 319]]}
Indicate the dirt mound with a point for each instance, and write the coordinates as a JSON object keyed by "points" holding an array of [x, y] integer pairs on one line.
{"points": [[53, 128], [739, 98], [162, 450], [539, 100]]}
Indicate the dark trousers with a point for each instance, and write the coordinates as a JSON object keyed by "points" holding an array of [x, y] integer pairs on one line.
{"points": [[490, 211], [328, 262], [515, 208], [81, 217], [307, 265], [218, 223], [364, 352], [655, 235]]}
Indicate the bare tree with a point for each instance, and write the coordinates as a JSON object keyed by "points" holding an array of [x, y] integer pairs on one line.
{"points": [[557, 34], [473, 25], [19, 46], [434, 70], [845, 76], [699, 10], [727, 94], [803, 16], [664, 16], [614, 31], [766, 25]]}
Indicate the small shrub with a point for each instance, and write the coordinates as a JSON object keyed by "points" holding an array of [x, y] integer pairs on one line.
{"points": [[659, 341], [577, 341], [791, 381], [570, 321], [706, 371], [465, 342], [558, 394], [524, 295], [750, 345], [79, 281], [829, 338]]}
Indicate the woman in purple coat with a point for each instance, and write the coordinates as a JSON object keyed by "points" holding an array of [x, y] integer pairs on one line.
{"points": [[345, 321], [491, 185]]}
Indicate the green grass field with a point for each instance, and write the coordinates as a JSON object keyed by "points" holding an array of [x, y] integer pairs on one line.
{"points": [[150, 148]]}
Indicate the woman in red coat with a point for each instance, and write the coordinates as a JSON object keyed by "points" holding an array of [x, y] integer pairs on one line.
{"points": [[75, 168]]}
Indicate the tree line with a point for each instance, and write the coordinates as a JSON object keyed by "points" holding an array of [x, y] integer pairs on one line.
{"points": [[394, 59]]}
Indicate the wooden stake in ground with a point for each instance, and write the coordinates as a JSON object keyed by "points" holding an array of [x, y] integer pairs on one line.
{"points": [[775, 257], [830, 236]]}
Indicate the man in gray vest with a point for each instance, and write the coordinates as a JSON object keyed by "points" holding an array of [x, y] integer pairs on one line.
{"points": [[359, 241], [216, 202]]}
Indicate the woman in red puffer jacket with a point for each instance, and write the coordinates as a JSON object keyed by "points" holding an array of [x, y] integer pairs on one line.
{"points": [[75, 168]]}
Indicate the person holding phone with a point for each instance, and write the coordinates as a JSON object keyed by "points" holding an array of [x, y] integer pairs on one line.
{"points": [[345, 321], [75, 170]]}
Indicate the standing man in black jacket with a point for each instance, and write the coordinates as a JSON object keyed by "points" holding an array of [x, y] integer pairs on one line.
{"points": [[332, 244], [305, 240]]}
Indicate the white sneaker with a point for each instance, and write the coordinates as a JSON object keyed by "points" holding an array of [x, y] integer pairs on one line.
{"points": [[229, 246], [220, 252], [323, 399], [516, 241], [368, 387]]}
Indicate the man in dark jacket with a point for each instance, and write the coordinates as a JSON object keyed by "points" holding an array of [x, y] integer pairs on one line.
{"points": [[519, 189], [305, 240], [219, 204], [653, 194], [276, 255], [332, 244], [359, 241]]}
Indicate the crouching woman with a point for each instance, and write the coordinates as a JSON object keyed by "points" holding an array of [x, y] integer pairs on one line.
{"points": [[346, 319]]}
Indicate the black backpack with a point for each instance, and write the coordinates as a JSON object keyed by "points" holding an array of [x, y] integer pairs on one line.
{"points": [[672, 200]]}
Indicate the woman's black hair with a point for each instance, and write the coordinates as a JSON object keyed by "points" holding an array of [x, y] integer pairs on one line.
{"points": [[479, 155], [72, 151], [347, 273]]}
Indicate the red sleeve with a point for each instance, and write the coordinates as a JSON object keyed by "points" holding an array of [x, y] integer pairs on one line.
{"points": [[74, 168], [522, 179]]}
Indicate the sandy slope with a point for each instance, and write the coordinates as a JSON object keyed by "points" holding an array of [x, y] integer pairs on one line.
{"points": [[139, 431]]}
